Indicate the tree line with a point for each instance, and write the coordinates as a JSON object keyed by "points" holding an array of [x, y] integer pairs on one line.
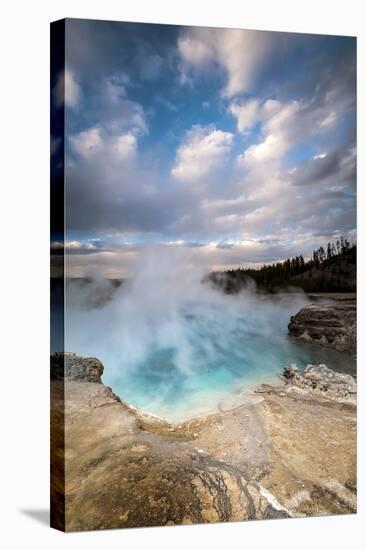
{"points": [[329, 269]]}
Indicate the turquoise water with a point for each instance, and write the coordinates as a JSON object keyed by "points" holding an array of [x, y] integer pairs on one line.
{"points": [[176, 348], [224, 355]]}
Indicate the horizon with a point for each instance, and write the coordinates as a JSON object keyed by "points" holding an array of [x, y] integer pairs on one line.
{"points": [[224, 144], [237, 267]]}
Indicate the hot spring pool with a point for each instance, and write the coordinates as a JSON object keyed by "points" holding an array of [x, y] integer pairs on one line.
{"points": [[158, 387], [177, 357]]}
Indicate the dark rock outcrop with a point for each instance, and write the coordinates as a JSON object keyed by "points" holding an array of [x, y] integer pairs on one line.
{"points": [[68, 365], [328, 324]]}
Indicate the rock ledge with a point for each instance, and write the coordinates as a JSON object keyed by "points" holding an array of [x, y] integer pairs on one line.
{"points": [[321, 379], [330, 324]]}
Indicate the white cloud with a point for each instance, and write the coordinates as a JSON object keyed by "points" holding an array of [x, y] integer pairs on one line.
{"points": [[238, 52], [73, 246], [203, 150], [72, 90], [282, 125], [246, 114], [77, 245], [90, 143], [125, 145], [258, 216], [67, 90], [230, 222], [193, 50], [271, 148], [113, 110], [270, 108], [87, 143], [223, 204]]}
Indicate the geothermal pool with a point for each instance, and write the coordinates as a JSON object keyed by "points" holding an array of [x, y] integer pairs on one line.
{"points": [[178, 353], [219, 363]]}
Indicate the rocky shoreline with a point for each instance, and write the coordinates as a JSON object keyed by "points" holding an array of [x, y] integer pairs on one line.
{"points": [[287, 451]]}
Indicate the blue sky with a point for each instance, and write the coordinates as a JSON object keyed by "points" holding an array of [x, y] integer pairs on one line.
{"points": [[235, 146]]}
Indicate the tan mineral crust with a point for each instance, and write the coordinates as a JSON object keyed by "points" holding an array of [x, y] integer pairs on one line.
{"points": [[288, 450]]}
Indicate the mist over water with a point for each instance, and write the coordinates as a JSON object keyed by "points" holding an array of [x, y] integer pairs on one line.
{"points": [[176, 347]]}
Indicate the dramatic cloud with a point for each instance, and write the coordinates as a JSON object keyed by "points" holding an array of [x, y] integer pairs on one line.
{"points": [[237, 146]]}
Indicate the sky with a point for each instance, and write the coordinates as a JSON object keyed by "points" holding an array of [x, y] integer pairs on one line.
{"points": [[235, 147]]}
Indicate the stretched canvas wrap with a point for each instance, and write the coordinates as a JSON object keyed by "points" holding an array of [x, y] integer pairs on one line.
{"points": [[203, 262]]}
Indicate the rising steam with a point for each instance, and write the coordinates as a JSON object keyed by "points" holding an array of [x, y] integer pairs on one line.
{"points": [[169, 342]]}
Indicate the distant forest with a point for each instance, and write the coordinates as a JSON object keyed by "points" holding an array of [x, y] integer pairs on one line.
{"points": [[330, 269]]}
